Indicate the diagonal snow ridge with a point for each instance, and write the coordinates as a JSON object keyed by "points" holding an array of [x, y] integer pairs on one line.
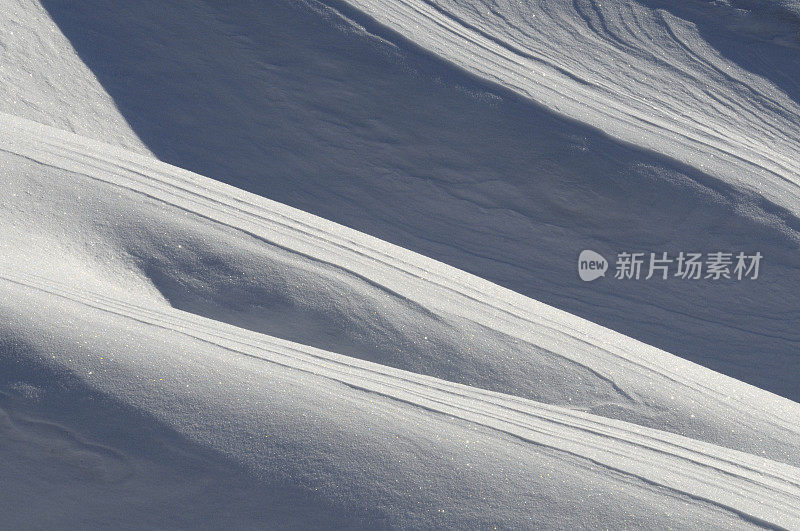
{"points": [[761, 491], [312, 110], [752, 478], [637, 72], [159, 327], [647, 386]]}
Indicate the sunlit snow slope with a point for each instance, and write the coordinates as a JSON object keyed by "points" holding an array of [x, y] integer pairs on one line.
{"points": [[181, 350]]}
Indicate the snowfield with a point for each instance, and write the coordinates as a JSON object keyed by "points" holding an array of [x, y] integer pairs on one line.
{"points": [[312, 264]]}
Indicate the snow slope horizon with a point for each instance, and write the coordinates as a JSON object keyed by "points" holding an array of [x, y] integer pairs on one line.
{"points": [[221, 388], [460, 170]]}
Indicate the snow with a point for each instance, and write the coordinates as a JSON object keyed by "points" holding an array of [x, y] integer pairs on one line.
{"points": [[465, 171], [362, 310], [43, 79]]}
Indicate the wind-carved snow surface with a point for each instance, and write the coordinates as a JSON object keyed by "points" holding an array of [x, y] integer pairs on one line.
{"points": [[319, 107], [328, 424], [178, 352], [633, 69]]}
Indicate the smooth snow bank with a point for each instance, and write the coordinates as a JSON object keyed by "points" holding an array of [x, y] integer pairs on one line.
{"points": [[152, 233], [345, 119], [355, 442], [43, 79]]}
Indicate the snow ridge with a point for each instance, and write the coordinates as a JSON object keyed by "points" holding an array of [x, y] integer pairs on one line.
{"points": [[638, 73], [168, 340]]}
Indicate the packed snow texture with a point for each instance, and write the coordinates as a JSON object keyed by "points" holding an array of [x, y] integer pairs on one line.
{"points": [[203, 349]]}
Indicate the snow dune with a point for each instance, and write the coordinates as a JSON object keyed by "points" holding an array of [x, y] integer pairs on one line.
{"points": [[506, 175], [179, 349], [218, 385], [599, 62]]}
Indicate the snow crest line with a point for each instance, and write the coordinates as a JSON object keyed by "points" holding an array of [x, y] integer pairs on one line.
{"points": [[423, 282]]}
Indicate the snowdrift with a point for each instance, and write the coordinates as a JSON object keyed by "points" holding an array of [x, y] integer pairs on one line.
{"points": [[501, 139], [361, 442], [312, 264]]}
